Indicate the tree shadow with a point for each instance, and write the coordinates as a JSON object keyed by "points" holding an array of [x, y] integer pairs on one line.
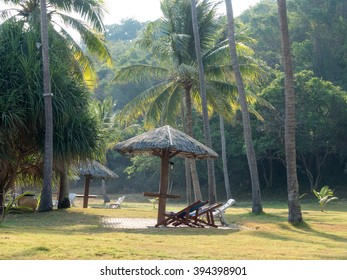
{"points": [[305, 228]]}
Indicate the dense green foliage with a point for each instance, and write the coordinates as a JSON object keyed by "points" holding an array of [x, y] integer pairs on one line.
{"points": [[22, 108], [318, 34], [321, 105], [62, 19]]}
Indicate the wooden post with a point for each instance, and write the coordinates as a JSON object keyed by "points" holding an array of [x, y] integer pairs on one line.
{"points": [[164, 180], [86, 191]]}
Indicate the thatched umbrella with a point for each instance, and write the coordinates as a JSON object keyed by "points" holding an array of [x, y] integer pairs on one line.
{"points": [[93, 169], [165, 142]]}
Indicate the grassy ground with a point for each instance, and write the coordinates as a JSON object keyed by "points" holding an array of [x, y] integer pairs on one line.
{"points": [[77, 233]]}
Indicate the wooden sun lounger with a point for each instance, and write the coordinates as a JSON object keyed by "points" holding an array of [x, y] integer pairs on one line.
{"points": [[183, 216], [204, 217]]}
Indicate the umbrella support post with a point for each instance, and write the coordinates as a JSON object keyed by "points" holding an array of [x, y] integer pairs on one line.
{"points": [[164, 180], [86, 192]]}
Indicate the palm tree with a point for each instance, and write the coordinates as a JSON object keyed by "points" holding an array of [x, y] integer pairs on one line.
{"points": [[252, 163], [171, 41], [22, 119], [34, 12], [90, 26], [294, 214], [175, 47], [46, 195], [210, 164], [224, 158]]}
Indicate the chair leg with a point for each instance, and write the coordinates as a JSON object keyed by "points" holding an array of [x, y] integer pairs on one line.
{"points": [[222, 220]]}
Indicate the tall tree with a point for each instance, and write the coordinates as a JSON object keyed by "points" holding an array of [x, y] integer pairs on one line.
{"points": [[171, 40], [252, 162], [207, 131], [46, 194], [224, 158], [294, 214], [89, 26], [35, 12], [22, 124], [175, 73]]}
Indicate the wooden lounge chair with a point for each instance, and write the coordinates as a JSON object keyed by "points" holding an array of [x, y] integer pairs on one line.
{"points": [[219, 212], [117, 203], [204, 216], [184, 216]]}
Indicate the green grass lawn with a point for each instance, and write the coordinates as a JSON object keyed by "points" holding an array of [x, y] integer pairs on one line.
{"points": [[77, 233]]}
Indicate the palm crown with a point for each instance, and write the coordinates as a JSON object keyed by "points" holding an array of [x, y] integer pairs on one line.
{"points": [[171, 42], [89, 26]]}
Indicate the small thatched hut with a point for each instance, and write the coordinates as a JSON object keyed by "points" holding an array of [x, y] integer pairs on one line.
{"points": [[93, 169]]}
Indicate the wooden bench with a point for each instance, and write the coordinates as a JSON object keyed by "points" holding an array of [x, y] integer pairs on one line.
{"points": [[151, 194], [90, 195]]}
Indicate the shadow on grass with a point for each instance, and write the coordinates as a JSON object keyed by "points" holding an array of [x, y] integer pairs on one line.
{"points": [[307, 229], [181, 231], [69, 222], [56, 221], [303, 231], [281, 221], [30, 252]]}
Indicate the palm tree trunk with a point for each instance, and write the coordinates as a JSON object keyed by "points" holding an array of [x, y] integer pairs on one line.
{"points": [[104, 191], [294, 213], [189, 126], [207, 132], [46, 195], [252, 162], [186, 161], [64, 201], [224, 158]]}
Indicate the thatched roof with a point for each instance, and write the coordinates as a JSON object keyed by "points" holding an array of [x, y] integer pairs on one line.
{"points": [[165, 138], [95, 170]]}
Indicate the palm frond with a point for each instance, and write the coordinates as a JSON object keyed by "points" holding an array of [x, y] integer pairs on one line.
{"points": [[159, 109], [95, 42], [173, 106], [8, 13], [139, 73], [90, 10], [140, 104]]}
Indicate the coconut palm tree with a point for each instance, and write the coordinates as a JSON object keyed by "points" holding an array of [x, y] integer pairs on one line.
{"points": [[46, 195], [171, 41], [252, 162], [175, 45], [224, 158], [207, 131], [294, 215], [88, 25]]}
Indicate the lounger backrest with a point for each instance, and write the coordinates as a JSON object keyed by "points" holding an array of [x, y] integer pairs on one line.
{"points": [[72, 196], [197, 206], [191, 208], [120, 200], [226, 205], [209, 208]]}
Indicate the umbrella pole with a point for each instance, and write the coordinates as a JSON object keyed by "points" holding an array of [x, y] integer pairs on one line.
{"points": [[86, 192], [164, 179]]}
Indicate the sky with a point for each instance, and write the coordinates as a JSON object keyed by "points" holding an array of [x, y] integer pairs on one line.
{"points": [[144, 10], [148, 10]]}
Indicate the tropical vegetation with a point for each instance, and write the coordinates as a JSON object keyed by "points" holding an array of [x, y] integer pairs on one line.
{"points": [[155, 81], [22, 122]]}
